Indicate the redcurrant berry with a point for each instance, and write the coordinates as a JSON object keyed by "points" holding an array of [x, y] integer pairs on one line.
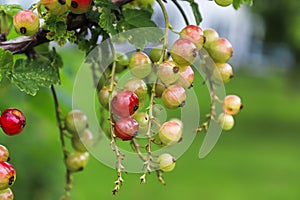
{"points": [[220, 50], [224, 3], [137, 86], [7, 175], [79, 6], [26, 22], [140, 65], [126, 128], [210, 36], [80, 141], [184, 52], [12, 121], [171, 132], [166, 162], [174, 97], [223, 72], [76, 121], [159, 89], [4, 154], [142, 119], [122, 62], [56, 7], [226, 121], [168, 72], [103, 96], [77, 161], [186, 78], [6, 194], [232, 104], [155, 54], [194, 34], [125, 103]]}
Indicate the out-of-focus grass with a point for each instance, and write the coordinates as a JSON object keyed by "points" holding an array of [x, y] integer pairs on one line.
{"points": [[258, 159]]}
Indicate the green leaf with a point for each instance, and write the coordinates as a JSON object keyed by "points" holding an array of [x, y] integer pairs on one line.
{"points": [[107, 21], [106, 4], [138, 18], [10, 9], [30, 75], [237, 3], [6, 61], [196, 11]]}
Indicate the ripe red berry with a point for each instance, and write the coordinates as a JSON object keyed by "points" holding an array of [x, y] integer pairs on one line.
{"points": [[174, 97], [4, 154], [140, 65], [125, 104], [79, 6], [7, 175], [12, 121], [168, 72], [184, 52], [6, 194], [126, 128], [26, 22], [186, 78], [220, 50], [194, 34]]}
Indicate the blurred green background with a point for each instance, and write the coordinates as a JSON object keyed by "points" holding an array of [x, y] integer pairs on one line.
{"points": [[258, 159]]}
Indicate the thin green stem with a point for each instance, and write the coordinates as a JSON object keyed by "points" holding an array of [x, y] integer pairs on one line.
{"points": [[181, 11]]}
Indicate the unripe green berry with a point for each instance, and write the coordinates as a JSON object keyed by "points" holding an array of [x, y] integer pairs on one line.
{"points": [[4, 154], [224, 3], [166, 162], [174, 97], [226, 121], [82, 140], [6, 194], [142, 119], [159, 89], [26, 22], [184, 52], [77, 161], [223, 72], [138, 86], [140, 65], [56, 7], [168, 72], [122, 62], [103, 96], [210, 36], [220, 50], [171, 132], [76, 121], [155, 54]]}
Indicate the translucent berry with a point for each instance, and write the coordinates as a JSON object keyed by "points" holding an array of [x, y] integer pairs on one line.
{"points": [[77, 161], [4, 154], [76, 121], [140, 65], [220, 50], [138, 86], [171, 132], [166, 162], [79, 6], [103, 96], [194, 34], [82, 140], [224, 3], [142, 119], [12, 121], [226, 121], [7, 175], [125, 104], [56, 7], [122, 62], [223, 72], [6, 194], [232, 104], [26, 22], [159, 89], [210, 36], [184, 52], [126, 128], [168, 72], [186, 78], [155, 54], [174, 97]]}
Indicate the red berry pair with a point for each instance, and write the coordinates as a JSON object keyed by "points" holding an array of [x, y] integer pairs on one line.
{"points": [[12, 121]]}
